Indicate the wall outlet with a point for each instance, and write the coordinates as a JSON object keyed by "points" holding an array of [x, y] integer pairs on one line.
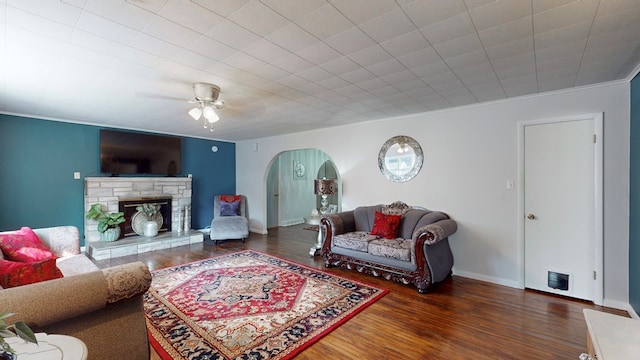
{"points": [[76, 175]]}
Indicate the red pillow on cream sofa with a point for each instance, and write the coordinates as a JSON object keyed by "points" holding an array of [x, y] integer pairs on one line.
{"points": [[14, 273], [24, 246], [385, 225]]}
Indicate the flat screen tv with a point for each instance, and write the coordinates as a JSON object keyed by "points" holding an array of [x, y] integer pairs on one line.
{"points": [[127, 153]]}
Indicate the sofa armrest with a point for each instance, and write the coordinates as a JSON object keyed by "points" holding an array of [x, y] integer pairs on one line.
{"points": [[62, 240], [432, 233], [126, 281]]}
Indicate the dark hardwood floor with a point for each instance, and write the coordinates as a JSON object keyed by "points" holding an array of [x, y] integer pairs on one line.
{"points": [[459, 319]]}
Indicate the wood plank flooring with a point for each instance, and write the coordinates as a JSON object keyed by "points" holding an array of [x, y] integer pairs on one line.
{"points": [[459, 319]]}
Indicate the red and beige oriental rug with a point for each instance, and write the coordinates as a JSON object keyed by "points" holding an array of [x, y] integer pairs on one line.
{"points": [[247, 305]]}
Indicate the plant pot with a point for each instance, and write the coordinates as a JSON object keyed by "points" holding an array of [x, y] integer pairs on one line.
{"points": [[150, 228], [111, 234], [5, 353]]}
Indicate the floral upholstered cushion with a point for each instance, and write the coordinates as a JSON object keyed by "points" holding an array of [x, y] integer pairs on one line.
{"points": [[386, 225], [357, 240], [396, 248], [13, 273], [24, 246]]}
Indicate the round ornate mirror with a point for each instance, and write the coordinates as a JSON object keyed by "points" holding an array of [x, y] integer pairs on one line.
{"points": [[400, 158]]}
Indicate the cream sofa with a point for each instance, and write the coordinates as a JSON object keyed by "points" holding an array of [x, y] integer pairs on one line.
{"points": [[103, 308]]}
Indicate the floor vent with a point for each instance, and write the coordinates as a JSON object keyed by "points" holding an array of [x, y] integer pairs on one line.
{"points": [[556, 280]]}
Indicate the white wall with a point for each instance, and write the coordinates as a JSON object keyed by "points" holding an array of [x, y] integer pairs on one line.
{"points": [[470, 153]]}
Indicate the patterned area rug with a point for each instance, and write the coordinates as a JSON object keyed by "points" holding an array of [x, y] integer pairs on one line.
{"points": [[247, 305]]}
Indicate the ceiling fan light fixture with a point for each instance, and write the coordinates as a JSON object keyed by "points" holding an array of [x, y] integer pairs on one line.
{"points": [[210, 114], [195, 113]]}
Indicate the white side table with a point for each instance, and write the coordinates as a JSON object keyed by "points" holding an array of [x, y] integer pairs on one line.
{"points": [[315, 220], [49, 347], [611, 337]]}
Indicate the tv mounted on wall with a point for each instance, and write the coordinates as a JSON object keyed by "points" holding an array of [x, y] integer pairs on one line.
{"points": [[127, 153]]}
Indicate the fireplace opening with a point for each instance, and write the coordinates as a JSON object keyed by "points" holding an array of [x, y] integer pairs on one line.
{"points": [[128, 207]]}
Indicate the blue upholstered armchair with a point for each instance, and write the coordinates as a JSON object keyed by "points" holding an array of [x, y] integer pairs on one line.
{"points": [[229, 218]]}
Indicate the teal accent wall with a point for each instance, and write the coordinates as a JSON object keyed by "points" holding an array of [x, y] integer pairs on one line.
{"points": [[38, 159], [634, 200]]}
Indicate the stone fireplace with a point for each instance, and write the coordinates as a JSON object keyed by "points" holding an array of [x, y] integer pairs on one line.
{"points": [[110, 191]]}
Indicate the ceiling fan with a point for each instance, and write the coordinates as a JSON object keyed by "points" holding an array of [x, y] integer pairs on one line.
{"points": [[206, 96]]}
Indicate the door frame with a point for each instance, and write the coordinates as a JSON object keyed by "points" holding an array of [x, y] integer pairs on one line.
{"points": [[598, 245]]}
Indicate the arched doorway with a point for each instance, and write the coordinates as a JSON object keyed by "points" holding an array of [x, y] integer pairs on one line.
{"points": [[290, 185]]}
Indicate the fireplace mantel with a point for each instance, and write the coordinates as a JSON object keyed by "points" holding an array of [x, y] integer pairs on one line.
{"points": [[108, 190]]}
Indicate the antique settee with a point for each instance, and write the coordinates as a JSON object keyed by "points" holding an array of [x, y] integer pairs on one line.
{"points": [[103, 308], [417, 252]]}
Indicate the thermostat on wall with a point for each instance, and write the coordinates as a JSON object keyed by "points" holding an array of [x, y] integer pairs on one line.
{"points": [[214, 148]]}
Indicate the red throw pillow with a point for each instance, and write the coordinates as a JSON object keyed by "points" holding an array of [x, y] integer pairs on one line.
{"points": [[14, 273], [24, 245], [230, 198], [386, 225]]}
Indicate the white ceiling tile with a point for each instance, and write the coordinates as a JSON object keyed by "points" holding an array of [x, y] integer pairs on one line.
{"points": [[292, 38], [357, 76], [96, 43], [516, 70], [361, 11], [546, 5], [315, 74], [38, 25], [154, 46], [105, 28], [266, 50], [431, 69], [527, 58], [232, 35], [470, 59], [340, 65], [350, 41], [293, 9], [481, 70], [52, 10], [120, 12], [424, 13], [293, 63], [383, 33], [449, 29], [371, 55], [559, 17], [318, 53], [416, 84], [153, 6], [399, 77], [223, 8], [459, 46], [193, 59], [515, 30], [420, 58], [562, 50], [333, 82], [574, 32], [190, 15], [406, 44], [325, 22], [616, 22], [211, 48], [171, 32], [388, 67], [509, 49], [520, 86], [258, 18], [496, 13]]}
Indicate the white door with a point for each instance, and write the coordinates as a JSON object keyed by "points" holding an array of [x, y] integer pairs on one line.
{"points": [[273, 187], [559, 208]]}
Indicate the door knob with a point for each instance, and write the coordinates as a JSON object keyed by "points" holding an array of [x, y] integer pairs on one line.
{"points": [[531, 217]]}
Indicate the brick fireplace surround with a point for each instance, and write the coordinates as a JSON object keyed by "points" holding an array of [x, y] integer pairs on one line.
{"points": [[109, 190]]}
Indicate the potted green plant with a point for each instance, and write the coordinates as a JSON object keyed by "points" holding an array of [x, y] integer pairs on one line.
{"points": [[19, 329], [150, 212], [108, 223]]}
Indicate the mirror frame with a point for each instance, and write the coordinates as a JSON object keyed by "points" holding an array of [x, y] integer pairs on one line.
{"points": [[417, 165]]}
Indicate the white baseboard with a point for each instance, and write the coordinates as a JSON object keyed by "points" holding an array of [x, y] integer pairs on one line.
{"points": [[485, 278]]}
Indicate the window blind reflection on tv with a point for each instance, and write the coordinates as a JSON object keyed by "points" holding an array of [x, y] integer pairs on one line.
{"points": [[127, 153]]}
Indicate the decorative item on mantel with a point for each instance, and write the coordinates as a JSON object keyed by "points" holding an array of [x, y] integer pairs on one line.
{"points": [[108, 223], [150, 212]]}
